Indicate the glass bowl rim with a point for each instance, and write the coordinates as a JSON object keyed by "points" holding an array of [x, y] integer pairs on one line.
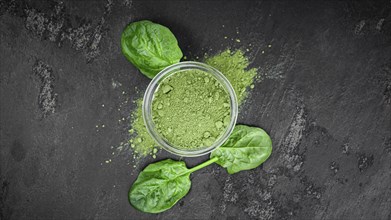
{"points": [[148, 98]]}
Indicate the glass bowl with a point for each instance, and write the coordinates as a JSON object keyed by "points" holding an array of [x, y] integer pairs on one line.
{"points": [[177, 69]]}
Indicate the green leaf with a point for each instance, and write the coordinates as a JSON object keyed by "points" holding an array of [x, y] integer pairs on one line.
{"points": [[150, 47], [162, 184], [159, 186], [246, 148]]}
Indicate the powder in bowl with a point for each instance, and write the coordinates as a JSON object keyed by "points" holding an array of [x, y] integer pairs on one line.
{"points": [[191, 109]]}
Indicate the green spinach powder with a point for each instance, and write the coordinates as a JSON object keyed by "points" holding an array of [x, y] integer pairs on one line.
{"points": [[191, 109], [233, 64]]}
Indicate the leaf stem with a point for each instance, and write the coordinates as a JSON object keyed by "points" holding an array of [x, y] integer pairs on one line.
{"points": [[204, 164]]}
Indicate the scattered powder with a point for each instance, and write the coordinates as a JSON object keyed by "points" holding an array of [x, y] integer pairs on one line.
{"points": [[345, 148], [290, 156], [47, 98], [229, 193], [53, 26], [334, 167], [191, 109], [387, 146], [311, 190], [36, 22], [233, 64], [127, 3], [365, 161], [379, 24], [115, 84], [261, 209], [141, 142], [359, 27]]}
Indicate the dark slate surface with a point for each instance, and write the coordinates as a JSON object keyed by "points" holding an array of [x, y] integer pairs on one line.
{"points": [[325, 99]]}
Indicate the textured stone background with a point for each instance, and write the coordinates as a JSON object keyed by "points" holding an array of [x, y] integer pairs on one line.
{"points": [[325, 99]]}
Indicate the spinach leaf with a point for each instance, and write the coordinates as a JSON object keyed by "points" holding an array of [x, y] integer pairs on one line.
{"points": [[246, 148], [150, 47], [160, 185]]}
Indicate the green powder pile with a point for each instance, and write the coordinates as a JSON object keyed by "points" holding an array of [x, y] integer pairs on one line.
{"points": [[141, 142], [234, 65], [191, 109]]}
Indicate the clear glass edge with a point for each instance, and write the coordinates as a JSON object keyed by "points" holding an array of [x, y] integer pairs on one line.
{"points": [[147, 106]]}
